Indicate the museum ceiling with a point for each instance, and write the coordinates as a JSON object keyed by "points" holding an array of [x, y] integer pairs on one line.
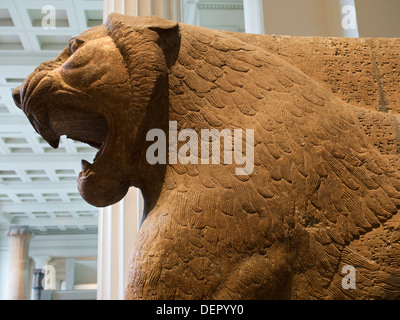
{"points": [[38, 183]]}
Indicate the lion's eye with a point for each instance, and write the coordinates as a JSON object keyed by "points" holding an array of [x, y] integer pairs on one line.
{"points": [[74, 44]]}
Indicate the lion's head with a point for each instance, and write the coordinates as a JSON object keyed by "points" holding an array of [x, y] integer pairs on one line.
{"points": [[103, 89]]}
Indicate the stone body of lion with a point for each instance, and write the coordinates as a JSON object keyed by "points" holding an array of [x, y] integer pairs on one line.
{"points": [[323, 180]]}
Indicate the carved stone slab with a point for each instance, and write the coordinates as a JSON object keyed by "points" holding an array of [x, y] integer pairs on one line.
{"points": [[301, 197]]}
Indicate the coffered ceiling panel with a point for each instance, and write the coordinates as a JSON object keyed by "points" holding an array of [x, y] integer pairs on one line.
{"points": [[38, 183]]}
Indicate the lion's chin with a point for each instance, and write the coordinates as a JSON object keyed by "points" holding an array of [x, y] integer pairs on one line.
{"points": [[102, 184], [101, 188]]}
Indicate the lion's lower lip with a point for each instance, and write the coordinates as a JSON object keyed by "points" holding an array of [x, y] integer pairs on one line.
{"points": [[85, 166], [86, 170]]}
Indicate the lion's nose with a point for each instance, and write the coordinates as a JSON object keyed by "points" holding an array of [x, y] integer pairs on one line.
{"points": [[17, 96]]}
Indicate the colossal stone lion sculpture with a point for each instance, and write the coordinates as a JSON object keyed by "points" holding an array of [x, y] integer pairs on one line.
{"points": [[323, 179]]}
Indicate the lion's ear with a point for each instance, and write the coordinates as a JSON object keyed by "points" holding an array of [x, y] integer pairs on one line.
{"points": [[164, 32], [154, 23], [162, 25]]}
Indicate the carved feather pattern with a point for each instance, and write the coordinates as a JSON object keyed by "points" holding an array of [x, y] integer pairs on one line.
{"points": [[319, 184]]}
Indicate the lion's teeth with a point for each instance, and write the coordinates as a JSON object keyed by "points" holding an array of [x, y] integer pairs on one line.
{"points": [[85, 166], [54, 143]]}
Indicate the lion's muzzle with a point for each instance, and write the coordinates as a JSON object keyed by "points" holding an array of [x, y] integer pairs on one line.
{"points": [[17, 96]]}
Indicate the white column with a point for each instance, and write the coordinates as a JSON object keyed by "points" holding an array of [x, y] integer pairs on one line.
{"points": [[69, 274], [41, 261], [19, 238], [168, 9], [42, 264], [342, 18], [253, 16], [118, 224], [177, 10]]}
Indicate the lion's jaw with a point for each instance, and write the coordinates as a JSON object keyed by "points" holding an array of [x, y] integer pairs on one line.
{"points": [[78, 95]]}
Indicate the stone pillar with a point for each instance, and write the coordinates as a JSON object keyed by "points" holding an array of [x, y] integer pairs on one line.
{"points": [[41, 261], [69, 274], [168, 9], [342, 18], [48, 271], [38, 275], [19, 238], [37, 280], [253, 16], [118, 224]]}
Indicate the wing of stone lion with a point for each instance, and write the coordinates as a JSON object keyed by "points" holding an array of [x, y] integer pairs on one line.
{"points": [[319, 178]]}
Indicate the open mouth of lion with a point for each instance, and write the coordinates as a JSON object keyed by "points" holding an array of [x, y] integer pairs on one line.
{"points": [[89, 129], [56, 110], [55, 119]]}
